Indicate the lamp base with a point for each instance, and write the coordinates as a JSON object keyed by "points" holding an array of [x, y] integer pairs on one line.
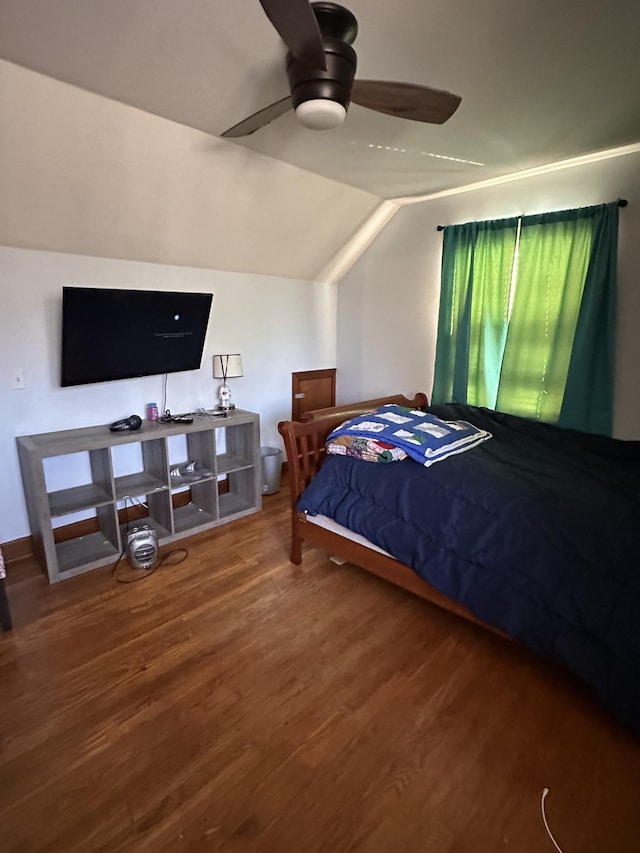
{"points": [[224, 396]]}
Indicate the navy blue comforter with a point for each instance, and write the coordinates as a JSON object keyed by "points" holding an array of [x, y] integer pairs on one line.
{"points": [[536, 531]]}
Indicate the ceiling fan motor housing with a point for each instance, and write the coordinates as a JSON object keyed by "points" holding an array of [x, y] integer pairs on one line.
{"points": [[334, 84], [339, 29], [335, 21]]}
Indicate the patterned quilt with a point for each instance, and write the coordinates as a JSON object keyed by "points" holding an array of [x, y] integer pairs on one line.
{"points": [[420, 435]]}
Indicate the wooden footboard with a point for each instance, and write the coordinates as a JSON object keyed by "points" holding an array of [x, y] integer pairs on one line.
{"points": [[304, 445]]}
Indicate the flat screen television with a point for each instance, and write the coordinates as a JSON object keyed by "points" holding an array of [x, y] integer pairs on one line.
{"points": [[109, 333]]}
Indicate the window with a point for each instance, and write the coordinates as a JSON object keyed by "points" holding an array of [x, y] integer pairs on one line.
{"points": [[527, 311]]}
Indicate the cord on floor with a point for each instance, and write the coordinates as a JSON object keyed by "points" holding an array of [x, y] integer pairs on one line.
{"points": [[544, 818], [166, 560]]}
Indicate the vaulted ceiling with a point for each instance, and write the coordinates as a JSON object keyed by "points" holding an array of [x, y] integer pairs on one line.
{"points": [[540, 82]]}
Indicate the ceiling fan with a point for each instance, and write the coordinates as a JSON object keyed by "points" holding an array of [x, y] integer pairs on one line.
{"points": [[321, 67]]}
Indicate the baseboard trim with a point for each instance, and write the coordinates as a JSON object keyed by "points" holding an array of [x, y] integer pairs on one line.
{"points": [[17, 549]]}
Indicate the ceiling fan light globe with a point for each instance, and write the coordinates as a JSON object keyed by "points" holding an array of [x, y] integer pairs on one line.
{"points": [[320, 114]]}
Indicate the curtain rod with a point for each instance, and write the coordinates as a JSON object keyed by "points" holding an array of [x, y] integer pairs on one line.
{"points": [[622, 202]]}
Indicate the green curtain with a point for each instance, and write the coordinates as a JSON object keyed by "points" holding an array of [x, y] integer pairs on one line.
{"points": [[527, 316], [477, 262], [588, 397]]}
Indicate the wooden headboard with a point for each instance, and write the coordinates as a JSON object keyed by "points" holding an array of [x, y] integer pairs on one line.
{"points": [[304, 440]]}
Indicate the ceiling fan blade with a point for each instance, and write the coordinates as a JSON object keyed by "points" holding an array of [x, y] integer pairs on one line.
{"points": [[260, 119], [405, 100], [298, 28]]}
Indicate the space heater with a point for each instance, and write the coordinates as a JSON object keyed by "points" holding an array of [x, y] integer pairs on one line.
{"points": [[142, 547]]}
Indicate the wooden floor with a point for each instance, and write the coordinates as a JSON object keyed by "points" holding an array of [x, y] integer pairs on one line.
{"points": [[234, 702]]}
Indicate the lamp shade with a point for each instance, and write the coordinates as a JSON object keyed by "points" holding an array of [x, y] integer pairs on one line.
{"points": [[227, 365]]}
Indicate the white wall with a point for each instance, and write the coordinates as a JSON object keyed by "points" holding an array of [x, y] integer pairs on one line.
{"points": [[82, 174], [388, 302], [279, 325]]}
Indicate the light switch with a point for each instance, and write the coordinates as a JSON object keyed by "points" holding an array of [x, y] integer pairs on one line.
{"points": [[17, 379]]}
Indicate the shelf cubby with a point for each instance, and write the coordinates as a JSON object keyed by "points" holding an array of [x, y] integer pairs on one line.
{"points": [[192, 518], [77, 498], [238, 498], [75, 555]]}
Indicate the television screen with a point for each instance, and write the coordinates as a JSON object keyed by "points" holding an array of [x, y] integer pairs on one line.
{"points": [[120, 334]]}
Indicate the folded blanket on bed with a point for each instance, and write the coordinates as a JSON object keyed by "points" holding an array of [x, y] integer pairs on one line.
{"points": [[367, 449], [422, 436]]}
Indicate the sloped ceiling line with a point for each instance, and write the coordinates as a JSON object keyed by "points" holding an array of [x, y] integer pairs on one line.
{"points": [[355, 248]]}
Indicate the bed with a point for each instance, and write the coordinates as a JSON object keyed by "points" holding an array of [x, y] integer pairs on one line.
{"points": [[531, 534]]}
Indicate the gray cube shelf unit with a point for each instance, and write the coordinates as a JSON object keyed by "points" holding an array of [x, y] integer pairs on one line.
{"points": [[225, 448]]}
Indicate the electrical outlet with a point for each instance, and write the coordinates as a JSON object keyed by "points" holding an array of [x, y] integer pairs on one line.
{"points": [[17, 380]]}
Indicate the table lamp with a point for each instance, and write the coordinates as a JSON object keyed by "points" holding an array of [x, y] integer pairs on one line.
{"points": [[226, 366]]}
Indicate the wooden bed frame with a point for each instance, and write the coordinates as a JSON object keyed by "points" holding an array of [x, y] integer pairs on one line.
{"points": [[304, 444]]}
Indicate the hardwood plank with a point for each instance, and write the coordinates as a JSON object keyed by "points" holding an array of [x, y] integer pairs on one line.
{"points": [[236, 702]]}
